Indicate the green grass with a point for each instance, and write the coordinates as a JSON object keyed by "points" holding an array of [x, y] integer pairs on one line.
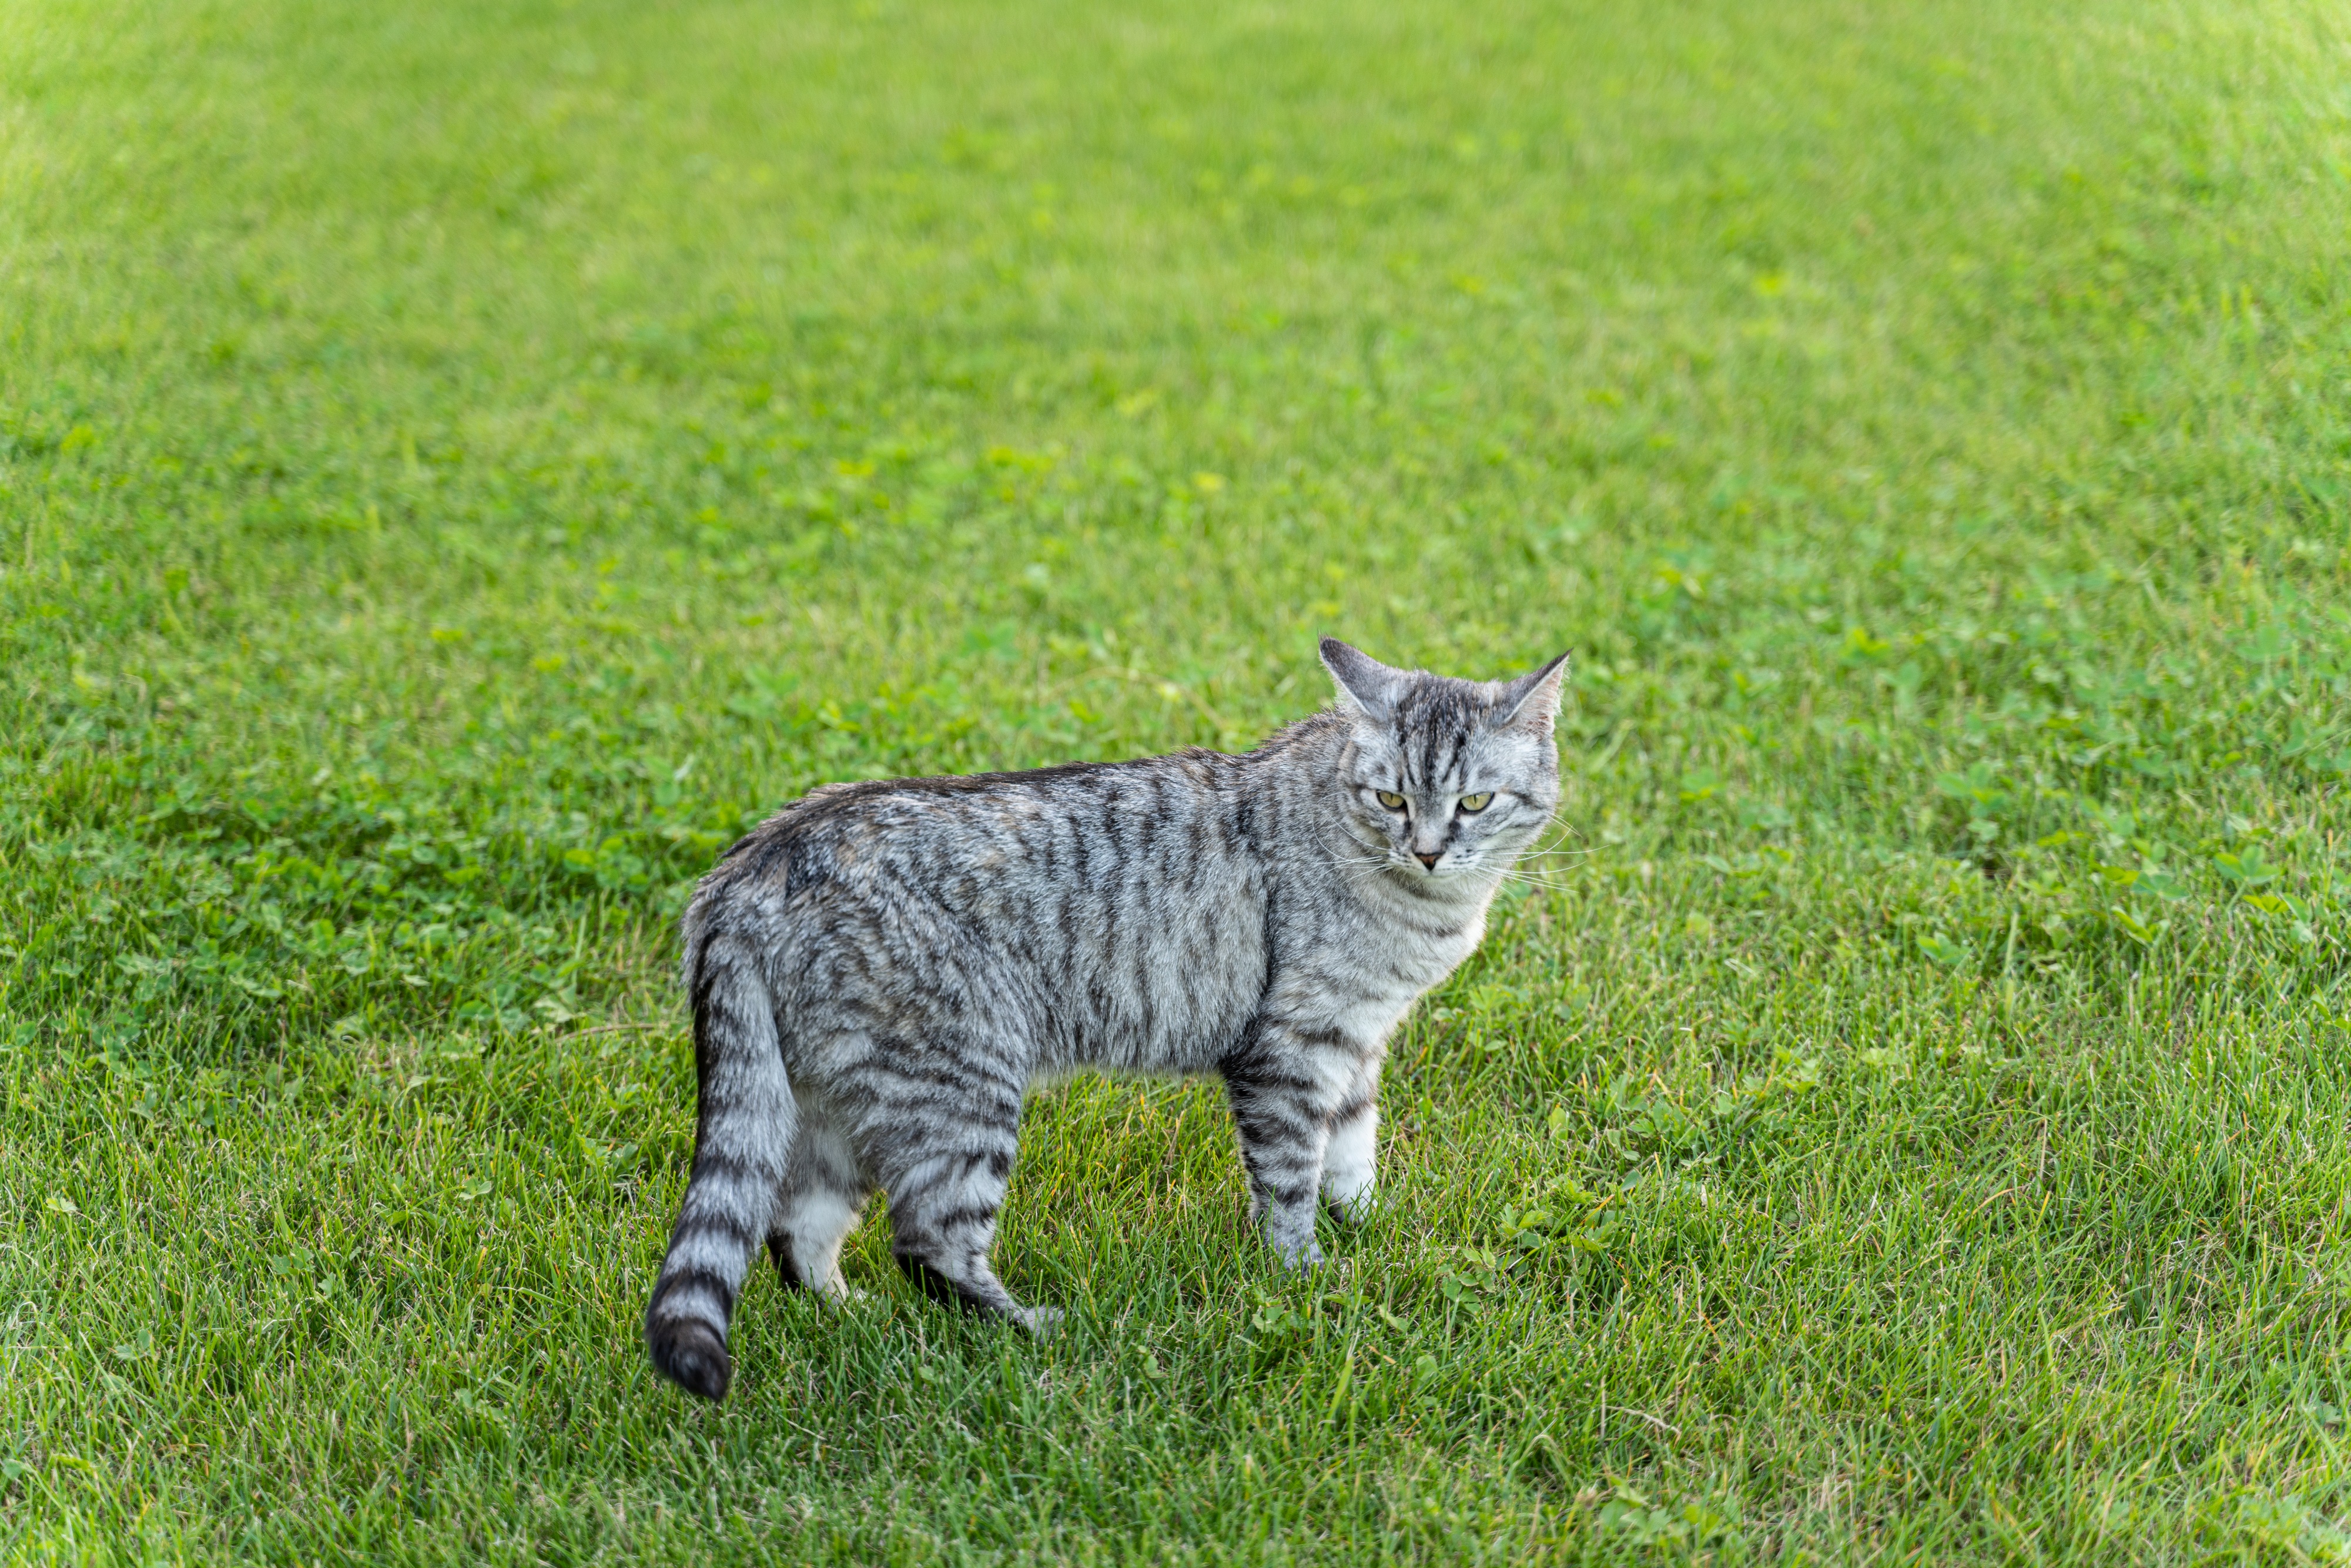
{"points": [[457, 471]]}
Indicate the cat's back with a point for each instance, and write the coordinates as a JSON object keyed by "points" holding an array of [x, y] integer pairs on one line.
{"points": [[1082, 826], [1118, 906]]}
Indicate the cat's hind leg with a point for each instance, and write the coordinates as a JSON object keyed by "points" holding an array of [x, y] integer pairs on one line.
{"points": [[823, 1199], [946, 1166], [946, 1227]]}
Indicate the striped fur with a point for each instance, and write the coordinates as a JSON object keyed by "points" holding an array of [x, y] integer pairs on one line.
{"points": [[881, 971]]}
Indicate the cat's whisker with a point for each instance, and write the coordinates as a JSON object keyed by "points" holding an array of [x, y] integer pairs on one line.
{"points": [[1360, 873], [1366, 860], [1540, 879]]}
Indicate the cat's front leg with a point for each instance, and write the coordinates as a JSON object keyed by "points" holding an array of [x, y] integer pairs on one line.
{"points": [[1284, 1088], [1350, 1179]]}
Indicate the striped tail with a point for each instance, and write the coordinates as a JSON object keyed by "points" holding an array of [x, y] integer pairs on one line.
{"points": [[743, 1142]]}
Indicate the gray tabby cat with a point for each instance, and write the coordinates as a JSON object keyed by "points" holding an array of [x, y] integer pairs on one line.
{"points": [[881, 971]]}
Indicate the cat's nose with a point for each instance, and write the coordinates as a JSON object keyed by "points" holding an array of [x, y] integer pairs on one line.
{"points": [[1426, 859]]}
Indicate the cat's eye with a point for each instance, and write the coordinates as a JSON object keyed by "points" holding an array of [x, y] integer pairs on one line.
{"points": [[1477, 803], [1390, 798]]}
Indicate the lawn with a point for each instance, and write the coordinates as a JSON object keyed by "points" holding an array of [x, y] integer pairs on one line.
{"points": [[458, 470]]}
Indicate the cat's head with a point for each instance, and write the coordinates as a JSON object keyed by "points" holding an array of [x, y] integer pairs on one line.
{"points": [[1447, 781]]}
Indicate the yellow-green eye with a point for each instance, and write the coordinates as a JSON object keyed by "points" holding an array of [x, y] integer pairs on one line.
{"points": [[1477, 803], [1390, 798]]}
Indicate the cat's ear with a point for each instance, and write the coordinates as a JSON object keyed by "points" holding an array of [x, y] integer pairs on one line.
{"points": [[1531, 701], [1366, 686]]}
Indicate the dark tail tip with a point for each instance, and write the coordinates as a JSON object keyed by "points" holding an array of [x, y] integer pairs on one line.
{"points": [[692, 1355]]}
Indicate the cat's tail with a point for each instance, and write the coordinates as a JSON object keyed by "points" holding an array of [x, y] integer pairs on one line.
{"points": [[743, 1142]]}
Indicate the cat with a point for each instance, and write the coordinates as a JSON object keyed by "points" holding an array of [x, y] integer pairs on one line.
{"points": [[881, 971]]}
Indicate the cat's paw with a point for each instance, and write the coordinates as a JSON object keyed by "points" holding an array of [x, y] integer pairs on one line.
{"points": [[1042, 1321], [1301, 1256]]}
